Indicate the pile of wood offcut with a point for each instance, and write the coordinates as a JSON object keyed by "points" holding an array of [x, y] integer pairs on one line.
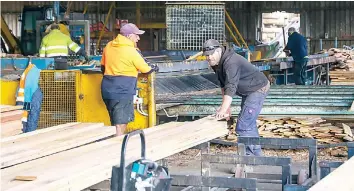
{"points": [[342, 72], [292, 127]]}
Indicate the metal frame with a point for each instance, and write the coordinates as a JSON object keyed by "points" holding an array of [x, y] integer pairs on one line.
{"points": [[119, 174], [326, 166], [86, 24], [227, 182], [285, 143], [205, 181], [252, 160]]}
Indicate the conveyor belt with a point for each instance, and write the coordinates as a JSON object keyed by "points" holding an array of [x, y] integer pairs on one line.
{"points": [[199, 95]]}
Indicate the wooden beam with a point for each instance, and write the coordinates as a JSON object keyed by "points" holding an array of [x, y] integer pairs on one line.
{"points": [[340, 179], [11, 128], [79, 168], [11, 116], [37, 132], [60, 139], [5, 108]]}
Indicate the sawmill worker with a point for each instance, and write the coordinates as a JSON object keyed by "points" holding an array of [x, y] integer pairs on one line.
{"points": [[239, 77], [30, 96], [121, 61], [55, 45], [297, 45]]}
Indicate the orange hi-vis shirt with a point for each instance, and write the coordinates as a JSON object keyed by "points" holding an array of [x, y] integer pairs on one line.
{"points": [[121, 58], [122, 62]]}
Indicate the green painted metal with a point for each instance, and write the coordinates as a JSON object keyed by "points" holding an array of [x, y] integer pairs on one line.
{"points": [[282, 100]]}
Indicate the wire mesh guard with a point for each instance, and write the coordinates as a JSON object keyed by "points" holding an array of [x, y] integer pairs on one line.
{"points": [[59, 98], [189, 26]]}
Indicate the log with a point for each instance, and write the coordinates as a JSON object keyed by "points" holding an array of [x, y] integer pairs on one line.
{"points": [[79, 168], [340, 179]]}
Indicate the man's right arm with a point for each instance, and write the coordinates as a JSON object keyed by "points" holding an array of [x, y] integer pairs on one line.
{"points": [[103, 59], [141, 65]]}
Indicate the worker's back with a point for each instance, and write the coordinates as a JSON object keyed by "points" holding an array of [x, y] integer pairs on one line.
{"points": [[121, 61], [121, 58], [57, 44], [297, 44]]}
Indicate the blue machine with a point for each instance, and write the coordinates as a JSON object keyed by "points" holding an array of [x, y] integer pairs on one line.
{"points": [[18, 65]]}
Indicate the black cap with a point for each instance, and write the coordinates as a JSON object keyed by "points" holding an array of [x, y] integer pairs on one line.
{"points": [[210, 46]]}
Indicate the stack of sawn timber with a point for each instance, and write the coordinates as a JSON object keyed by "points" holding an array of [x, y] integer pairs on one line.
{"points": [[84, 166], [309, 127], [342, 72], [10, 120]]}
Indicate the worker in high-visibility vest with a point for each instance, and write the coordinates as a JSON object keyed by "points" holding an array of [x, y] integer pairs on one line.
{"points": [[56, 45], [30, 96]]}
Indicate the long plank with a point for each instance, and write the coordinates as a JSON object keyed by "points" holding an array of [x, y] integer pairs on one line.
{"points": [[31, 147], [340, 179], [11, 116], [37, 132], [5, 108], [11, 128], [85, 166], [76, 156]]}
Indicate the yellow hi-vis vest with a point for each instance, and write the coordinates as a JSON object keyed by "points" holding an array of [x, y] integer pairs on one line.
{"points": [[56, 44], [21, 90]]}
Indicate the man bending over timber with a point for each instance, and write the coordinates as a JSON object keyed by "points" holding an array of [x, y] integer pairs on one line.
{"points": [[238, 77]]}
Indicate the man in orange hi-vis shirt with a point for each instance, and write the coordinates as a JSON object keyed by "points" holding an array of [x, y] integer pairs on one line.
{"points": [[120, 64]]}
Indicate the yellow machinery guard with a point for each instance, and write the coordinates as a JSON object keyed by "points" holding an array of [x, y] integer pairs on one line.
{"points": [[73, 95]]}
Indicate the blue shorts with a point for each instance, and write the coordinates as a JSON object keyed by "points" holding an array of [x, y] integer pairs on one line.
{"points": [[121, 111]]}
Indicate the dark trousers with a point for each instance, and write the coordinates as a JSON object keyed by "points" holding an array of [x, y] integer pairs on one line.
{"points": [[246, 125], [300, 72], [34, 112]]}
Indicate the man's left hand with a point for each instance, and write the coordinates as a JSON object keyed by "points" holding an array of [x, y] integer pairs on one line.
{"points": [[223, 113]]}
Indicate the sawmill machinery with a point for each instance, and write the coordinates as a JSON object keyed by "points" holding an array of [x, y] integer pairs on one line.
{"points": [[35, 20]]}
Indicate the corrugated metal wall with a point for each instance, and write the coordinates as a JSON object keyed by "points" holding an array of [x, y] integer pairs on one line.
{"points": [[317, 18], [12, 20]]}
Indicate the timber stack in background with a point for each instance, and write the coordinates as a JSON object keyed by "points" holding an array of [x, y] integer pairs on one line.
{"points": [[296, 127], [342, 73]]}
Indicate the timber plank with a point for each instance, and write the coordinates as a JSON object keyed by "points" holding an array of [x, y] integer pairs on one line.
{"points": [[11, 128], [11, 116], [82, 167], [39, 131], [6, 108], [17, 151], [340, 179], [24, 150]]}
